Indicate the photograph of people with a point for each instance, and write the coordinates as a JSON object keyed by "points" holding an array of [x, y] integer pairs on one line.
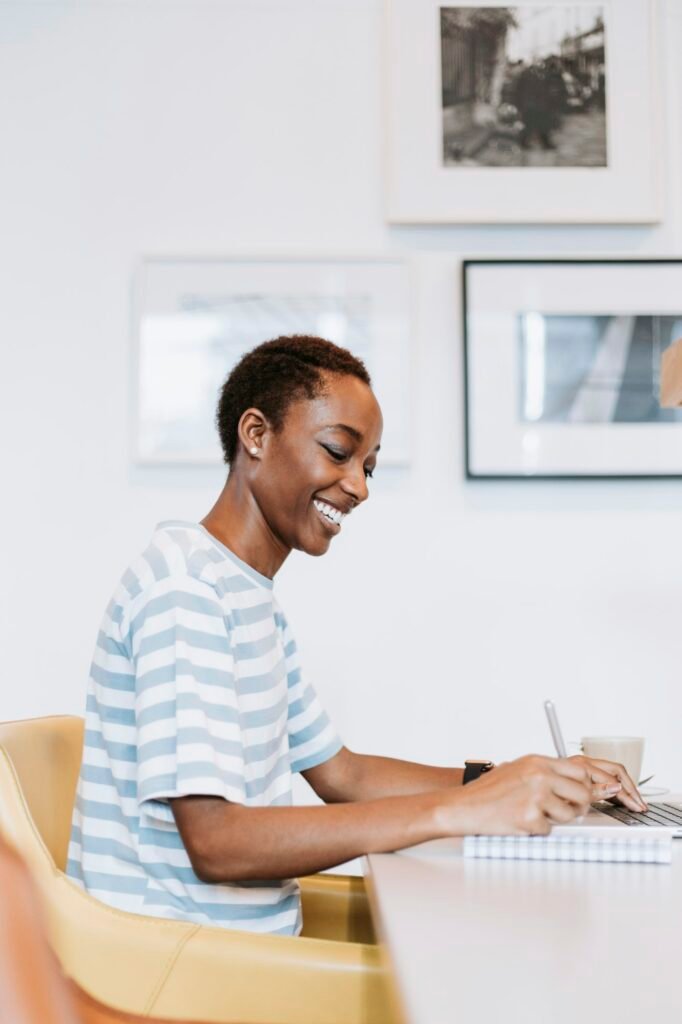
{"points": [[199, 713], [524, 86]]}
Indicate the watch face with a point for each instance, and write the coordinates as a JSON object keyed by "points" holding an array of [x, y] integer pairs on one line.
{"points": [[473, 769]]}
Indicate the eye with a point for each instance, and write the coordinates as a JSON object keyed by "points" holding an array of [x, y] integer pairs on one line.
{"points": [[338, 454], [369, 473]]}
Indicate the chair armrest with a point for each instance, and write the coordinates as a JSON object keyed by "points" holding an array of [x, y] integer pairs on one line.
{"points": [[285, 980], [336, 907], [180, 970]]}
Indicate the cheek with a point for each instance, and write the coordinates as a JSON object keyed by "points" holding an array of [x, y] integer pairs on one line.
{"points": [[296, 472], [301, 474], [287, 496]]}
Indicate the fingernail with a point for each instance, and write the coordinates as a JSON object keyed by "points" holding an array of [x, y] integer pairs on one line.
{"points": [[612, 790]]}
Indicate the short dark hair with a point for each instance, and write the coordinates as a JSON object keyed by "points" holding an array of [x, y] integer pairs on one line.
{"points": [[273, 375]]}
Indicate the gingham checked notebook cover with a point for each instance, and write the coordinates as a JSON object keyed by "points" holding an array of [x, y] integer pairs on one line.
{"points": [[577, 843]]}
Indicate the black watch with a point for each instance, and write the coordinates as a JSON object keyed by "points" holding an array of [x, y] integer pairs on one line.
{"points": [[474, 769]]}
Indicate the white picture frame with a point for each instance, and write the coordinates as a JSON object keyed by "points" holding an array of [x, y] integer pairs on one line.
{"points": [[562, 363], [421, 188], [194, 318]]}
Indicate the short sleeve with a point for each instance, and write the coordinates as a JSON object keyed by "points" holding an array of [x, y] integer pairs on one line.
{"points": [[312, 737], [188, 735]]}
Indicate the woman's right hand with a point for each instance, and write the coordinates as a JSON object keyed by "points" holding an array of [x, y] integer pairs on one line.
{"points": [[522, 797]]}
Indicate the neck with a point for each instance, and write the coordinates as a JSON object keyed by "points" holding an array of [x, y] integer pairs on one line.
{"points": [[237, 522]]}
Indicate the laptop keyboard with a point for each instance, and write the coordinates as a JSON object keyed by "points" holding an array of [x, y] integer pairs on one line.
{"points": [[657, 814]]}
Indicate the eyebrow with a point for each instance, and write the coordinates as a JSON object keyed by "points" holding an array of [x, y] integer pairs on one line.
{"points": [[355, 434]]}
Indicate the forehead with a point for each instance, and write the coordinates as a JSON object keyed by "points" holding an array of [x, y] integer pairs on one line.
{"points": [[345, 399]]}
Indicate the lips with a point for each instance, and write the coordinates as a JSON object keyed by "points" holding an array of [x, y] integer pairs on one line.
{"points": [[335, 515], [331, 516]]}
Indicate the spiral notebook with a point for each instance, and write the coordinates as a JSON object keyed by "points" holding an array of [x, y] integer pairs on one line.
{"points": [[568, 843]]}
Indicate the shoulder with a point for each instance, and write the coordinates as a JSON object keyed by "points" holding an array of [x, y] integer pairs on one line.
{"points": [[173, 554], [186, 556], [183, 566], [174, 570], [186, 551]]}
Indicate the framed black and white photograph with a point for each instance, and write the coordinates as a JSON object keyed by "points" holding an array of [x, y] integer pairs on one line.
{"points": [[524, 86], [526, 112], [195, 318], [563, 363]]}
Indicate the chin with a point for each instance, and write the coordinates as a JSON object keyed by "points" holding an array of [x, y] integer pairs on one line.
{"points": [[318, 547]]}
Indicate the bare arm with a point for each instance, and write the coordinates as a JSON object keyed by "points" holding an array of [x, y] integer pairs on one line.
{"points": [[349, 776], [229, 842]]}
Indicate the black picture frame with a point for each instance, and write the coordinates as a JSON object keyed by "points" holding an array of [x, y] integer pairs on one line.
{"points": [[576, 269]]}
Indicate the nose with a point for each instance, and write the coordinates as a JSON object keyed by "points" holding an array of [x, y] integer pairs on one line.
{"points": [[354, 484]]}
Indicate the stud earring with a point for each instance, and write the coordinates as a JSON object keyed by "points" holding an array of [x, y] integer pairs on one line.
{"points": [[253, 451]]}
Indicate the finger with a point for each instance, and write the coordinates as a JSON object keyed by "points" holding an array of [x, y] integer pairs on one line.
{"points": [[559, 811], [541, 825], [629, 794], [606, 792], [598, 774], [571, 768], [634, 803], [621, 774], [604, 784], [573, 792], [607, 773]]}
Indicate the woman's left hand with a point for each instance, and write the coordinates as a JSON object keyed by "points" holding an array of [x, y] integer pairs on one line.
{"points": [[606, 775]]}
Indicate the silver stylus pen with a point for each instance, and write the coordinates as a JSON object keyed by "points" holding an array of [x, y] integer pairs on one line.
{"points": [[559, 744]]}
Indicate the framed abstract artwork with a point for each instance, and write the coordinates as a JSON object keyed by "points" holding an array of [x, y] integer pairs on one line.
{"points": [[540, 111], [563, 366], [196, 317]]}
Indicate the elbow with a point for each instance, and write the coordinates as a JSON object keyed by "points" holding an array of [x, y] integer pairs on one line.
{"points": [[207, 862], [206, 870], [212, 867], [203, 856], [218, 848]]}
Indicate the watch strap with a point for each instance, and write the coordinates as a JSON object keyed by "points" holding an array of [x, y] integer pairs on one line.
{"points": [[474, 769]]}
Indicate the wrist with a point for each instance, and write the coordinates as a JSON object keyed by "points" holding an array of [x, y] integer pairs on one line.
{"points": [[473, 769], [459, 814]]}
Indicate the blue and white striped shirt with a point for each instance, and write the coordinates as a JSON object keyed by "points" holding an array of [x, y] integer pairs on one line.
{"points": [[195, 689]]}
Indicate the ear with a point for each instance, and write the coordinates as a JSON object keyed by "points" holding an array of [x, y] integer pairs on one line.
{"points": [[252, 431]]}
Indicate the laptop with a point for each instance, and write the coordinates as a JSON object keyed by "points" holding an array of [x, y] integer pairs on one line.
{"points": [[667, 815]]}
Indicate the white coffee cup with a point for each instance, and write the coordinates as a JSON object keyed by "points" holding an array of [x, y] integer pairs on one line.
{"points": [[625, 750]]}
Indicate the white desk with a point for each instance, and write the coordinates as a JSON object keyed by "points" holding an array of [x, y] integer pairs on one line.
{"points": [[522, 942]]}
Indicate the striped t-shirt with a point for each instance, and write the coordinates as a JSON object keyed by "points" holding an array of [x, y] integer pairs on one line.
{"points": [[194, 688]]}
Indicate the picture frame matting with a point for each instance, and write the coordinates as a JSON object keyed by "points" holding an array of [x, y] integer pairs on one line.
{"points": [[422, 188], [562, 365]]}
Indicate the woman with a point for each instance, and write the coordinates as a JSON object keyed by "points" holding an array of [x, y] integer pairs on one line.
{"points": [[197, 711]]}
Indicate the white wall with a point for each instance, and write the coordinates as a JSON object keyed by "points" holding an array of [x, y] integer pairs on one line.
{"points": [[447, 610]]}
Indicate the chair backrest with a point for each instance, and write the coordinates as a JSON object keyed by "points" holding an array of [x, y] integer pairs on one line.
{"points": [[46, 756], [33, 988], [151, 966]]}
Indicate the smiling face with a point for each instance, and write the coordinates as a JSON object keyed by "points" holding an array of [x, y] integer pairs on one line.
{"points": [[313, 472]]}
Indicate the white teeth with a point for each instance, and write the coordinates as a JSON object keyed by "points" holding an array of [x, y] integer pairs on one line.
{"points": [[333, 514]]}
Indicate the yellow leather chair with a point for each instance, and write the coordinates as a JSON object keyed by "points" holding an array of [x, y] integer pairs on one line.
{"points": [[177, 969], [33, 989]]}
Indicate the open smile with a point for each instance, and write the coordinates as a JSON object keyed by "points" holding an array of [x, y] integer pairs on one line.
{"points": [[331, 517]]}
